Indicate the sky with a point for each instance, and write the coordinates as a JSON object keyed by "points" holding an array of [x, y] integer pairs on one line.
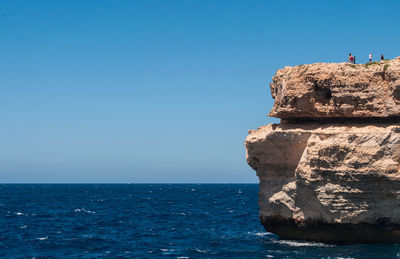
{"points": [[159, 91]]}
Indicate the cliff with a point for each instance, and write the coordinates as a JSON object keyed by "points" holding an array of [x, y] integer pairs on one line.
{"points": [[337, 90], [330, 171]]}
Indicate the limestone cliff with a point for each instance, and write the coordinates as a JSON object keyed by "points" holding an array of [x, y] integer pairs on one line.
{"points": [[337, 90], [329, 179]]}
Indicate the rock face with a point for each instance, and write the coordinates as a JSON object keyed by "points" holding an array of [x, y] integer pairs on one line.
{"points": [[337, 90], [335, 176]]}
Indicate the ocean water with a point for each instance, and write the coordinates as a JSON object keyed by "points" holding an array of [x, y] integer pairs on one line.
{"points": [[149, 221]]}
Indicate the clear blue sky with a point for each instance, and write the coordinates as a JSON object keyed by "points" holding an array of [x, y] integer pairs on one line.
{"points": [[159, 91]]}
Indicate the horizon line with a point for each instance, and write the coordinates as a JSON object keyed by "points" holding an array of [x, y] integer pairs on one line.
{"points": [[126, 183]]}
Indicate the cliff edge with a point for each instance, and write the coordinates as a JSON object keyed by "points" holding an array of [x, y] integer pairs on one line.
{"points": [[330, 170]]}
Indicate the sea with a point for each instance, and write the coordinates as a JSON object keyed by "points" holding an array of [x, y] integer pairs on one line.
{"points": [[149, 221]]}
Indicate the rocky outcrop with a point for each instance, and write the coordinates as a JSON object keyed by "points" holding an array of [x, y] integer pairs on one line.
{"points": [[324, 179], [337, 90]]}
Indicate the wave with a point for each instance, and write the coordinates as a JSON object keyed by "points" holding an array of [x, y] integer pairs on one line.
{"points": [[84, 210], [302, 243], [261, 234], [201, 251]]}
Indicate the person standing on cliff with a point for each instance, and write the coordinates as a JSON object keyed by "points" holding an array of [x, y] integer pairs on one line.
{"points": [[382, 58], [370, 57], [354, 59], [350, 60]]}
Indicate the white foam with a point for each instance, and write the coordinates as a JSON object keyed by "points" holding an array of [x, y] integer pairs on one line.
{"points": [[84, 210], [302, 244], [261, 234], [19, 213], [167, 251], [42, 238], [201, 251]]}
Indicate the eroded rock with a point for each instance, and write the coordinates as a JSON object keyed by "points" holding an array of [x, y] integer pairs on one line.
{"points": [[334, 176], [324, 90]]}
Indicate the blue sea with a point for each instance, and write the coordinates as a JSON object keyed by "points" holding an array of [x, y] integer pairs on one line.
{"points": [[149, 221]]}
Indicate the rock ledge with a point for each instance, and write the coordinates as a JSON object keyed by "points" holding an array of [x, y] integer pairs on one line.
{"points": [[337, 90]]}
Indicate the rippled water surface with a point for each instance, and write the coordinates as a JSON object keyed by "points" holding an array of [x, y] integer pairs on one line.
{"points": [[149, 221]]}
